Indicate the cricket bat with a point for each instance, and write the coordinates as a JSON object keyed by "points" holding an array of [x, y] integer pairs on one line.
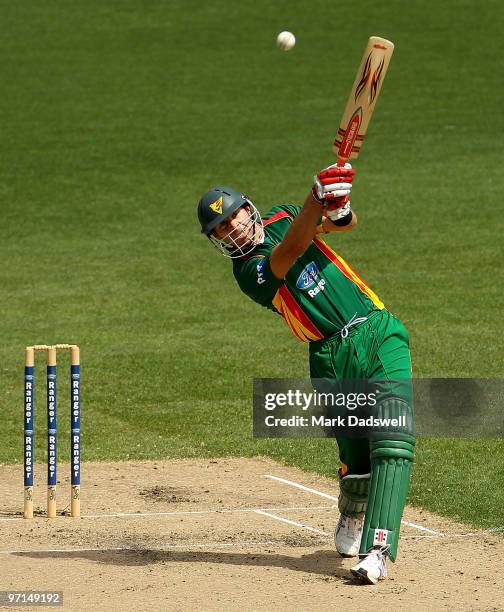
{"points": [[362, 100]]}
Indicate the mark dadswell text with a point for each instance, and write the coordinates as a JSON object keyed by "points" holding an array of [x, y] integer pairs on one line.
{"points": [[339, 421]]}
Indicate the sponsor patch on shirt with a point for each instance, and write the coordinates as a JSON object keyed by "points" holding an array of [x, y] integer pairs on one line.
{"points": [[308, 276], [260, 272]]}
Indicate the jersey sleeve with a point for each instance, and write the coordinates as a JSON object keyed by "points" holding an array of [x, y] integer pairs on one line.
{"points": [[256, 279], [292, 209]]}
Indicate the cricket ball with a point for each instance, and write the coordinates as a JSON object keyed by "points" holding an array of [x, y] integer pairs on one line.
{"points": [[285, 41]]}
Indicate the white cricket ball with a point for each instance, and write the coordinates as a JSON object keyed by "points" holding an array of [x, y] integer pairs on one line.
{"points": [[285, 41]]}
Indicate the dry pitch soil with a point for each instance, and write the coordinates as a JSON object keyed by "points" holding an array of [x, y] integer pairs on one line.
{"points": [[206, 535]]}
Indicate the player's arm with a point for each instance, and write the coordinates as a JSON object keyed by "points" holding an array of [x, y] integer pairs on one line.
{"points": [[297, 239], [331, 190]]}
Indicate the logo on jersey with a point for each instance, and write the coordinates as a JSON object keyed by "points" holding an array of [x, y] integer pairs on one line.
{"points": [[308, 276], [217, 206], [310, 280], [260, 272]]}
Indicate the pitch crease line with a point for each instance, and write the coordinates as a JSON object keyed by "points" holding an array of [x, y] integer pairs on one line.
{"points": [[302, 487], [295, 523], [180, 512], [297, 485], [202, 512], [469, 534], [421, 528]]}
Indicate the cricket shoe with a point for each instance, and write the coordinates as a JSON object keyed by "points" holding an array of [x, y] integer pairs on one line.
{"points": [[347, 535], [373, 567]]}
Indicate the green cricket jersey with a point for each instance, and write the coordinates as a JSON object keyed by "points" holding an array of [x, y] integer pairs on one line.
{"points": [[320, 293]]}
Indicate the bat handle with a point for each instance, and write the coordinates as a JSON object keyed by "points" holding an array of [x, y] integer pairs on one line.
{"points": [[341, 161]]}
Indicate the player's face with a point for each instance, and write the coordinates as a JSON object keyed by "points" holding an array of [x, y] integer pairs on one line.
{"points": [[238, 229]]}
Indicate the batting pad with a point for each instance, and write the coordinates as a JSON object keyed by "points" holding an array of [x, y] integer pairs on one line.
{"points": [[390, 476], [353, 496]]}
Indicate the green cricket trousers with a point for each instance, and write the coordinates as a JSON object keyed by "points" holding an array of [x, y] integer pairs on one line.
{"points": [[376, 348]]}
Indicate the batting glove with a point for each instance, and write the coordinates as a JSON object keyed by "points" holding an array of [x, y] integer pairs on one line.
{"points": [[332, 186], [338, 213]]}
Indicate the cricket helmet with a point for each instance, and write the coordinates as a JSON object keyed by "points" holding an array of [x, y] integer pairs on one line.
{"points": [[217, 205]]}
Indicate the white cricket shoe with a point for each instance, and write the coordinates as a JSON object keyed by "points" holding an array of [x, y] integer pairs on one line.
{"points": [[347, 535], [372, 568]]}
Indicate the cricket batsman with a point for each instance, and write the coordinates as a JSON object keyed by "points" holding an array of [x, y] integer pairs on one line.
{"points": [[282, 262]]}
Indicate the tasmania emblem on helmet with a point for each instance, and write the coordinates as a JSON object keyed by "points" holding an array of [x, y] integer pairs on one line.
{"points": [[217, 206]]}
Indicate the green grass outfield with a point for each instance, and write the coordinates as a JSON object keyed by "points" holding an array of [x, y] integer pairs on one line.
{"points": [[115, 117]]}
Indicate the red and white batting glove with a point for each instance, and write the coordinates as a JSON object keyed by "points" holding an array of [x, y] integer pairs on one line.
{"points": [[338, 213], [332, 186]]}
